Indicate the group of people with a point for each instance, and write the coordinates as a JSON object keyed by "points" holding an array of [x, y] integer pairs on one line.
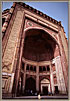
{"points": [[30, 92]]}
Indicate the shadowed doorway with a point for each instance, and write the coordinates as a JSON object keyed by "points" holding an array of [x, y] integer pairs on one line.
{"points": [[45, 90], [30, 87]]}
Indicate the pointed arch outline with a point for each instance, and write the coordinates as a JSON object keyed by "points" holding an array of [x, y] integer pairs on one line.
{"points": [[43, 29]]}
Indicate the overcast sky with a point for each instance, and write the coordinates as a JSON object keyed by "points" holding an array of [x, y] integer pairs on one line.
{"points": [[56, 10]]}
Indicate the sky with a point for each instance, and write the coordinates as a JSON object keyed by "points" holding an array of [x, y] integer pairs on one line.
{"points": [[56, 10]]}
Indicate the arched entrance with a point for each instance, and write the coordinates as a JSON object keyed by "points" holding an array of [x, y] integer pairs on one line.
{"points": [[30, 87], [45, 86], [39, 46]]}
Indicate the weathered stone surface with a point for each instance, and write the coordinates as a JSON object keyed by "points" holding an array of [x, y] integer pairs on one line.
{"points": [[12, 42], [59, 73]]}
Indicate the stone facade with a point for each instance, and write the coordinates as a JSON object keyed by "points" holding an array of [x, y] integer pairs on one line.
{"points": [[35, 51]]}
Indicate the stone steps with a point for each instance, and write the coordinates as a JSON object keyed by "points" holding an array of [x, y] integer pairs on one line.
{"points": [[36, 97]]}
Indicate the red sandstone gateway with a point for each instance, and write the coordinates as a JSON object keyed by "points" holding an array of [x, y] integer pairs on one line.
{"points": [[34, 53]]}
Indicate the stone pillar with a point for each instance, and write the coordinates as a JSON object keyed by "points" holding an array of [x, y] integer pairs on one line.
{"points": [[64, 57], [37, 78], [60, 77], [20, 84], [11, 83], [51, 79], [49, 88], [24, 77], [10, 51]]}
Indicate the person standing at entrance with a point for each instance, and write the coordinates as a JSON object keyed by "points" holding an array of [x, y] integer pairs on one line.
{"points": [[39, 97]]}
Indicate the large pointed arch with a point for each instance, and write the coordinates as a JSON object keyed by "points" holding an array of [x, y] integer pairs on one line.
{"points": [[34, 38], [42, 29]]}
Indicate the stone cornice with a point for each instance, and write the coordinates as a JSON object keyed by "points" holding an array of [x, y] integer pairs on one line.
{"points": [[5, 11], [39, 13], [10, 12]]}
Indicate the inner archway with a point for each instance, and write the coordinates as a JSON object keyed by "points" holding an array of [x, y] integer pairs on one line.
{"points": [[40, 48], [45, 86], [30, 86]]}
